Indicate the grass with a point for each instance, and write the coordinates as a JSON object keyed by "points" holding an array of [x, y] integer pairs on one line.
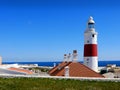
{"points": [[55, 84]]}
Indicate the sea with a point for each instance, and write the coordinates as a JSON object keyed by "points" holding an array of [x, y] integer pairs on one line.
{"points": [[51, 64]]}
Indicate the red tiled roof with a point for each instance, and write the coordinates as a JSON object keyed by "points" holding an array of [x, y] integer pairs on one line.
{"points": [[59, 67], [20, 70], [76, 69]]}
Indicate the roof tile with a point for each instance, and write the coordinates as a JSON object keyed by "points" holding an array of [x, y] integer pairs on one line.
{"points": [[76, 69]]}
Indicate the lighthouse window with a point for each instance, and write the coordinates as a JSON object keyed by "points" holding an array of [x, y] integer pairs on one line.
{"points": [[91, 25], [93, 35], [88, 41], [87, 59]]}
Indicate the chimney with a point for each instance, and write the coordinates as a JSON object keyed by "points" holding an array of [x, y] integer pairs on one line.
{"points": [[75, 58], [65, 57], [69, 57], [67, 71]]}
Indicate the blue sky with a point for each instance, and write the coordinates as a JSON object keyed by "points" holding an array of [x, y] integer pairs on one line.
{"points": [[43, 30]]}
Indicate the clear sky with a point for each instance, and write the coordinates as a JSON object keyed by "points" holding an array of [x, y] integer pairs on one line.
{"points": [[43, 30]]}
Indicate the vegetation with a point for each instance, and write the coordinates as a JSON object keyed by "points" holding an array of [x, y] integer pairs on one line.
{"points": [[42, 69], [55, 84], [103, 71]]}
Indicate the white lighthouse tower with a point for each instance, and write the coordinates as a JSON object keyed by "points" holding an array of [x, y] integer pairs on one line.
{"points": [[90, 46]]}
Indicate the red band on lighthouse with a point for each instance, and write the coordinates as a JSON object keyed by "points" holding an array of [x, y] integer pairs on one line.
{"points": [[90, 50]]}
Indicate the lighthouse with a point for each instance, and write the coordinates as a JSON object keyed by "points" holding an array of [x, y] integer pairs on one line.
{"points": [[90, 45]]}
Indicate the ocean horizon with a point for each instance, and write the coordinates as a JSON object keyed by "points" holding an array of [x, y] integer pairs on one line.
{"points": [[51, 64]]}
